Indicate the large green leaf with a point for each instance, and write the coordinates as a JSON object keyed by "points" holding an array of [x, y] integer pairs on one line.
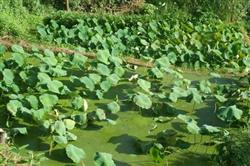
{"points": [[13, 106], [48, 100], [18, 58], [177, 92], [60, 128], [8, 77], [89, 84], [69, 124], [194, 96], [39, 115], [114, 79], [33, 101], [145, 85], [19, 130], [17, 49], [162, 62], [100, 113], [74, 153], [77, 102], [119, 71], [61, 140], [192, 126], [43, 78], [95, 78], [103, 159], [209, 129], [103, 56], [143, 101], [55, 86], [2, 49], [229, 114], [103, 69], [105, 85], [79, 60], [114, 107], [156, 72]]}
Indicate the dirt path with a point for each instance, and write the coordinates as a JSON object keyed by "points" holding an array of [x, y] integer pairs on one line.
{"points": [[8, 42]]}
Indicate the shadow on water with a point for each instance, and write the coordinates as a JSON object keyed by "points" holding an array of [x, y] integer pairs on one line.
{"points": [[59, 155], [192, 159], [119, 163], [223, 80], [126, 144], [93, 127], [179, 126], [120, 91], [33, 140], [206, 115]]}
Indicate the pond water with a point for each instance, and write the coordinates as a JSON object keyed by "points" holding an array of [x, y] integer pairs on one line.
{"points": [[132, 124]]}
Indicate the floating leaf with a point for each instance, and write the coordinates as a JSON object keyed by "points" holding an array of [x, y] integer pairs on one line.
{"points": [[74, 153], [119, 71], [105, 85], [60, 127], [100, 114], [193, 128], [48, 100], [69, 124], [230, 113], [145, 85], [103, 69], [19, 130], [79, 60], [143, 101], [18, 58], [71, 136], [89, 84], [17, 49], [220, 98], [38, 115], [77, 102], [2, 49], [43, 78], [61, 140], [103, 159], [55, 86], [246, 61], [8, 76], [209, 129], [114, 79], [103, 56], [176, 93], [80, 119], [114, 107], [33, 101], [156, 72], [162, 62], [13, 106], [95, 78]]}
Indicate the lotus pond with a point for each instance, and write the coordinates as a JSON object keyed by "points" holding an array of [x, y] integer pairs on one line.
{"points": [[77, 111]]}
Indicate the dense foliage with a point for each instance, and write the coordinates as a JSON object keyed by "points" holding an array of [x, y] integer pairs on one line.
{"points": [[234, 150], [53, 93], [34, 85], [201, 44]]}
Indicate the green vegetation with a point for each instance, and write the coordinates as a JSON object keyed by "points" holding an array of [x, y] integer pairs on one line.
{"points": [[190, 105], [203, 43]]}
